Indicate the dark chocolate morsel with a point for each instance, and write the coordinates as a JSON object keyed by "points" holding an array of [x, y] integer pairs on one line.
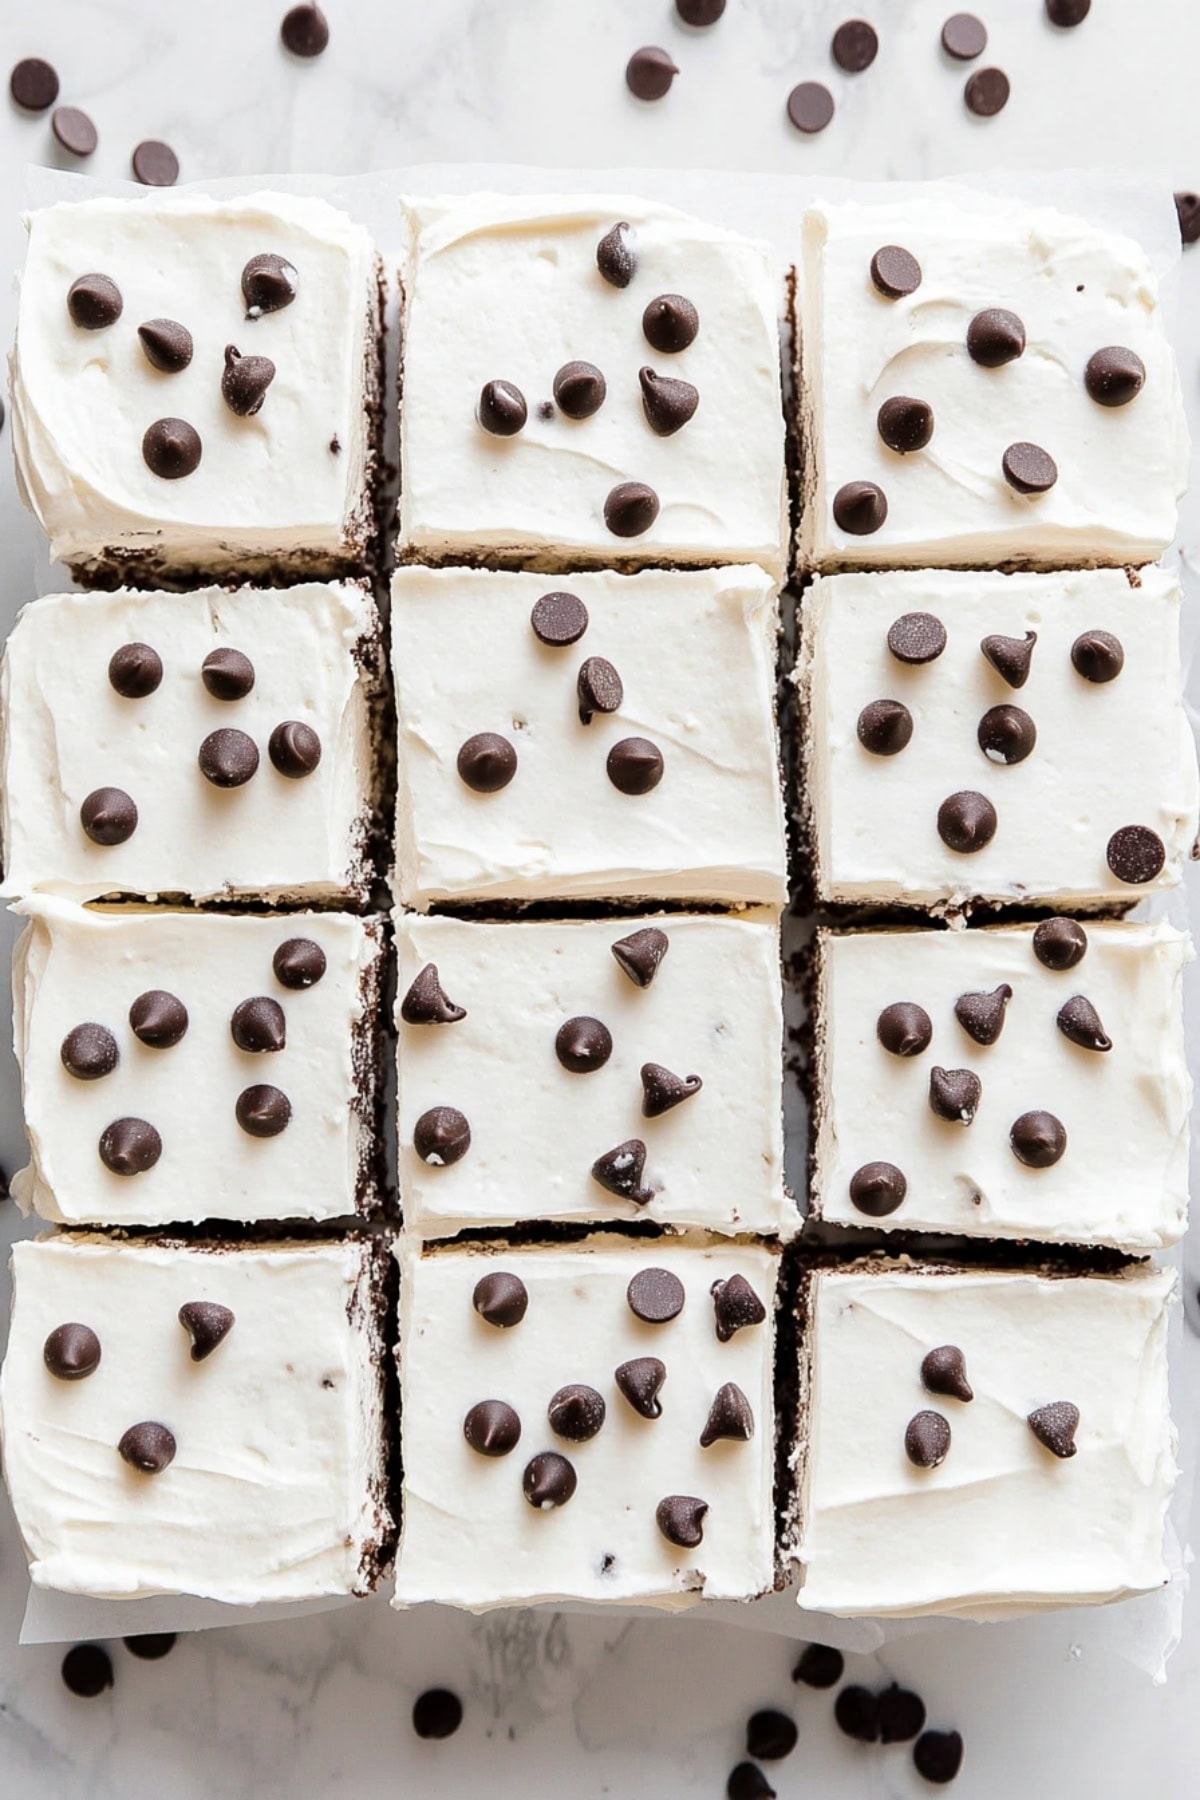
{"points": [[986, 92], [441, 1136], [895, 271], [670, 323], [735, 1307], [1066, 13], [859, 508], [502, 409], [1114, 376], [661, 1090], [954, 1095], [558, 619], [135, 671], [904, 1028], [635, 765], [747, 1782], [94, 302], [655, 1296], [1060, 943], [487, 762], [227, 674], [615, 257], [667, 403], [263, 1111], [130, 1146], [245, 381], [1135, 854], [171, 449], [680, 1518], [1187, 208], [269, 283], [1038, 1139], [427, 1003], [901, 1714], [820, 1666], [856, 1711], [699, 13], [927, 1439], [810, 107], [298, 963], [1029, 469], [580, 389], [158, 1019], [619, 1171], [501, 1299], [729, 1416], [258, 1025], [294, 749], [640, 954], [995, 337], [33, 84], [576, 1412], [1055, 1426], [944, 1371], [1098, 656], [905, 424], [877, 1189], [599, 687], [72, 1352], [964, 37], [151, 1646], [855, 47], [437, 1713], [148, 1447], [583, 1044], [1079, 1021], [492, 1428], [304, 31], [966, 822], [207, 1325], [770, 1735], [916, 637], [228, 758], [649, 73], [89, 1052], [937, 1756], [1011, 657], [154, 163], [549, 1481], [630, 509], [1006, 734], [982, 1015], [87, 1671], [108, 816], [167, 343], [641, 1382], [885, 727]]}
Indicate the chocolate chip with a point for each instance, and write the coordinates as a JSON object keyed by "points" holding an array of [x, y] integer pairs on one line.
{"points": [[487, 762], [1114, 376], [1098, 656], [583, 1044], [885, 727], [33, 84], [662, 1090], [549, 1481], [855, 47], [437, 1713], [245, 381], [649, 73], [859, 508], [130, 1146], [615, 258], [148, 1447], [1065, 13], [747, 1782], [580, 389], [441, 1136], [1135, 854], [258, 1025], [228, 758], [155, 164], [1079, 1021], [905, 424], [263, 1111], [502, 409], [576, 1413], [207, 1325], [901, 1714], [227, 674], [1006, 734], [1060, 943], [158, 1019], [135, 671], [820, 1666], [857, 1713], [916, 637], [304, 31], [74, 130], [294, 749], [699, 12], [670, 323], [966, 822], [641, 1382], [927, 1439], [168, 345], [730, 1416], [1029, 469], [877, 1189], [72, 1352], [680, 1518], [668, 404], [599, 687], [94, 302], [1011, 657], [964, 37], [427, 1003], [171, 449], [995, 336], [89, 1052], [492, 1428], [298, 963], [558, 619], [655, 1296], [500, 1299], [1187, 206], [954, 1095], [619, 1171], [895, 271], [630, 509], [635, 765], [944, 1371], [810, 107], [904, 1028], [982, 1015], [1055, 1426], [269, 283], [108, 816], [640, 954], [151, 1646], [86, 1668], [937, 1755], [986, 92], [735, 1307], [1038, 1139]]}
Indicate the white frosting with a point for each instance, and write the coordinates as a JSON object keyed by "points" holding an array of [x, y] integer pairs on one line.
{"points": [[471, 1539], [67, 732], [696, 655], [1123, 1177], [712, 1009], [274, 1491], [1108, 754], [1077, 290], [506, 288], [72, 965], [1002, 1524], [269, 489]]}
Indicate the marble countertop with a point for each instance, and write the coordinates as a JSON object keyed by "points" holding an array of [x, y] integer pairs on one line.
{"points": [[587, 1706]]}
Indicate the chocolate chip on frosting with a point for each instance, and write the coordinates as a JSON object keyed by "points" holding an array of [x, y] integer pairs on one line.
{"points": [[700, 13], [599, 687], [269, 283], [1066, 13], [855, 47], [558, 619], [905, 424], [228, 758], [207, 1324], [148, 1447], [492, 1428], [856, 1711], [982, 1015], [995, 336], [304, 30], [649, 73], [680, 1518], [916, 637], [964, 37], [859, 508], [1098, 656], [810, 107], [895, 271], [167, 343], [927, 1439], [619, 1171], [667, 403], [1079, 1021], [954, 1095], [820, 1666], [966, 822], [1006, 734], [151, 1646], [986, 92], [502, 408], [1055, 1426], [583, 1044], [94, 302], [1114, 376], [1011, 657], [441, 1136], [635, 765], [89, 1052], [885, 727], [580, 389], [670, 323], [937, 1756], [437, 1713], [427, 1003], [135, 671], [227, 674], [154, 163], [1187, 208], [549, 1481], [245, 381], [615, 257], [655, 1296], [1029, 469], [662, 1090], [72, 1352], [130, 1146], [630, 509], [729, 1416], [576, 1412], [877, 1188], [747, 1782], [1060, 943], [1038, 1139], [158, 1019], [770, 1735], [901, 1714], [33, 84], [944, 1371], [501, 1299], [640, 954], [641, 1380], [258, 1025], [736, 1307], [263, 1111], [487, 762], [294, 749], [1135, 854], [108, 816], [298, 963], [904, 1028], [171, 449]]}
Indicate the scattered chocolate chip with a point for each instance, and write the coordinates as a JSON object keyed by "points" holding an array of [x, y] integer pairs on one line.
{"points": [[148, 1447], [94, 302], [304, 31], [263, 1111], [298, 963], [558, 619], [904, 1028], [155, 164], [635, 765], [966, 822], [1135, 854], [855, 47], [492, 1428], [1060, 943], [1029, 469], [89, 1052], [668, 404], [680, 1518], [857, 1713], [207, 1325], [927, 1439], [661, 1090], [227, 674], [437, 1713], [1079, 1021], [1066, 13], [655, 1296], [986, 92], [1187, 206], [995, 336], [269, 283], [294, 749], [72, 1352], [1006, 734], [810, 107], [630, 509], [982, 1015], [171, 449], [1055, 1426], [576, 1413], [964, 37], [130, 1146], [905, 424], [74, 130], [730, 1416], [135, 671], [735, 1307], [641, 1382], [1011, 657], [937, 1755], [168, 345], [885, 727], [670, 323], [33, 84], [549, 1481], [820, 1666], [649, 73], [859, 508], [427, 1003], [86, 1668], [944, 1371], [245, 381], [1098, 656], [228, 758], [441, 1136], [1114, 376], [895, 271], [615, 258], [619, 1171], [916, 637], [747, 1782], [108, 816], [151, 1646], [583, 1044], [640, 954], [877, 1189], [580, 389], [1038, 1139], [487, 762], [258, 1025], [901, 1714], [502, 409], [599, 687], [500, 1299], [954, 1095], [700, 13], [158, 1019]]}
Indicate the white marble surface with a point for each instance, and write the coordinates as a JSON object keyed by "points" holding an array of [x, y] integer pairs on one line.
{"points": [[585, 1707]]}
